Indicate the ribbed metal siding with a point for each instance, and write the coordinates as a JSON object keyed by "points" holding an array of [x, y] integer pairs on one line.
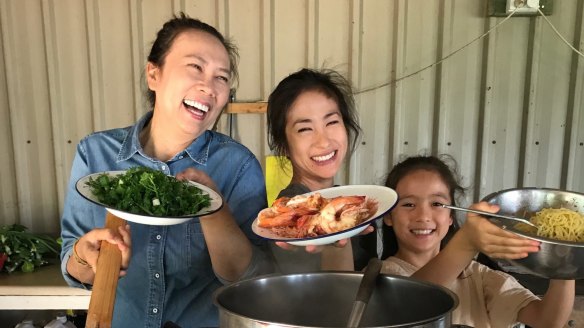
{"points": [[509, 107]]}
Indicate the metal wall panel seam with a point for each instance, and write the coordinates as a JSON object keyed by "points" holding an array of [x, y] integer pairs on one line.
{"points": [[455, 110], [55, 103], [178, 5], [267, 69], [550, 99], [222, 125], [312, 33], [371, 63], [138, 57], [34, 126], [420, 27], [544, 142], [222, 19], [440, 74], [576, 173], [398, 89], [394, 88], [528, 98], [269, 49], [95, 65], [570, 138], [352, 173], [333, 50], [9, 183], [487, 67], [222, 16], [245, 27]]}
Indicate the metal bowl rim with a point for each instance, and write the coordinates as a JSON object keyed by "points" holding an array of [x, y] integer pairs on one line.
{"points": [[447, 291]]}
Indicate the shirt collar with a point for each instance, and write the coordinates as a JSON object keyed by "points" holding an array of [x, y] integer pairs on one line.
{"points": [[198, 150]]}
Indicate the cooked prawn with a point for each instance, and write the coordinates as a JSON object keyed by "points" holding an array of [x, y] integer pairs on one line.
{"points": [[281, 214], [339, 214], [313, 215]]}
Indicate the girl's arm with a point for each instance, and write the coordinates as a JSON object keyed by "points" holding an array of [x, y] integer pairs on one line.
{"points": [[449, 263], [555, 307], [476, 235]]}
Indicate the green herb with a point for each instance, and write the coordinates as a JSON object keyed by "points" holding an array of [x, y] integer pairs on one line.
{"points": [[141, 190], [23, 250]]}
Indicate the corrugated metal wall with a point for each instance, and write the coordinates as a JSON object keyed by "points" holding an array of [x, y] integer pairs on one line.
{"points": [[509, 107]]}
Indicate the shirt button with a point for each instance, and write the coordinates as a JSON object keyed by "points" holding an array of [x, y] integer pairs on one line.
{"points": [[158, 237], [154, 310], [163, 167], [180, 157], [157, 275]]}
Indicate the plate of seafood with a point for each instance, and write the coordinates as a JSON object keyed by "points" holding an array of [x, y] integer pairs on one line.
{"points": [[324, 216]]}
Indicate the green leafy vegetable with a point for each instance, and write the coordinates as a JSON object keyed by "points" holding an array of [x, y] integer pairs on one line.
{"points": [[20, 249], [145, 191]]}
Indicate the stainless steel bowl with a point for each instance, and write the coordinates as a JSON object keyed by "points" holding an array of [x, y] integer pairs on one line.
{"points": [[325, 299], [556, 259]]}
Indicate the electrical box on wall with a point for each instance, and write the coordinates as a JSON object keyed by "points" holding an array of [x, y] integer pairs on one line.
{"points": [[521, 7]]}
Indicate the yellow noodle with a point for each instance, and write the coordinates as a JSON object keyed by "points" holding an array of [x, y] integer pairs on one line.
{"points": [[559, 223]]}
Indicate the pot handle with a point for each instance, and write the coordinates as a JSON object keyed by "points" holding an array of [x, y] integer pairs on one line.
{"points": [[364, 292], [368, 281]]}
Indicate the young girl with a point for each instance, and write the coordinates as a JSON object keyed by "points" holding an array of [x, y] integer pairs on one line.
{"points": [[416, 229]]}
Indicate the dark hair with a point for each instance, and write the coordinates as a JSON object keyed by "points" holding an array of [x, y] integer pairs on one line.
{"points": [[437, 164], [173, 28], [330, 83]]}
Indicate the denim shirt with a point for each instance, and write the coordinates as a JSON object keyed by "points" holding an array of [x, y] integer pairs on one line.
{"points": [[170, 277]]}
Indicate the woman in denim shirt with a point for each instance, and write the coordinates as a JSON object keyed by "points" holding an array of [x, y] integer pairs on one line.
{"points": [[170, 272]]}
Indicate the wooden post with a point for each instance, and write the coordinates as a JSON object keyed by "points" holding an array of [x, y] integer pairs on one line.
{"points": [[247, 108], [103, 294]]}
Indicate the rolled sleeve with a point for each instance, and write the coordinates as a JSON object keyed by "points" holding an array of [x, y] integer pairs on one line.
{"points": [[68, 278], [78, 215]]}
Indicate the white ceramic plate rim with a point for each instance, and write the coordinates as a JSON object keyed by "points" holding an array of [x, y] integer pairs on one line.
{"points": [[84, 190], [386, 198]]}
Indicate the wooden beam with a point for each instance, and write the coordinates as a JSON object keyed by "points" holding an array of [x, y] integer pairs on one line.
{"points": [[247, 108]]}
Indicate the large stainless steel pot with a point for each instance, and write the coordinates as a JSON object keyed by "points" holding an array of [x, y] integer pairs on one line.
{"points": [[325, 299]]}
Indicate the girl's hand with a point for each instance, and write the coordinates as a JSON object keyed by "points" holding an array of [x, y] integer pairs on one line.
{"points": [[493, 241]]}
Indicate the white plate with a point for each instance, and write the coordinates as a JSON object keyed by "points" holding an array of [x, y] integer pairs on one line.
{"points": [[385, 197], [85, 191]]}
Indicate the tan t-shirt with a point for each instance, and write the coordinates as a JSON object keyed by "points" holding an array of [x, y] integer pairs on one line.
{"points": [[487, 298]]}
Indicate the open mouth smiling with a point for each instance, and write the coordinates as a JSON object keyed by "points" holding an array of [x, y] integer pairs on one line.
{"points": [[422, 232], [324, 158], [195, 107]]}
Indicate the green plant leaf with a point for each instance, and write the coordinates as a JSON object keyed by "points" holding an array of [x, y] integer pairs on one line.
{"points": [[141, 190], [26, 250]]}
